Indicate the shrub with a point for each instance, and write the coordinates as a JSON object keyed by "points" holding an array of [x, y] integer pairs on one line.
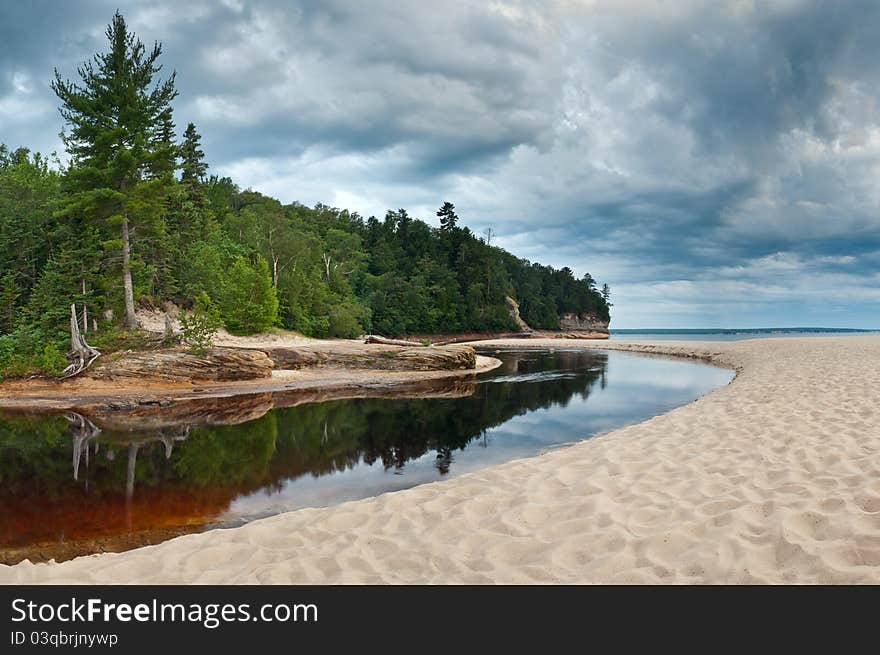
{"points": [[345, 320], [199, 326], [247, 299], [27, 352], [52, 362], [111, 338]]}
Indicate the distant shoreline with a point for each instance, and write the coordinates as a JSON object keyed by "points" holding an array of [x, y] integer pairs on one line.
{"points": [[786, 330], [733, 334]]}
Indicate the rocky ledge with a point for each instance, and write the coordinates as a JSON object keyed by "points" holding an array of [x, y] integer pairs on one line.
{"points": [[376, 357], [230, 364], [216, 365]]}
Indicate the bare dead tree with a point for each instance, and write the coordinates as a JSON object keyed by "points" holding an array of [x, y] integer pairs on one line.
{"points": [[81, 354]]}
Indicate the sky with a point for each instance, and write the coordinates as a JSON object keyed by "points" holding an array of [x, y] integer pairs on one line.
{"points": [[715, 163]]}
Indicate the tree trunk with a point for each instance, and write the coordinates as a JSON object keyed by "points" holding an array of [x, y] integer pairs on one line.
{"points": [[130, 318], [392, 342], [85, 308], [81, 354]]}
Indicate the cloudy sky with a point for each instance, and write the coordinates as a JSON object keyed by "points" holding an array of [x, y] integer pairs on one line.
{"points": [[716, 163]]}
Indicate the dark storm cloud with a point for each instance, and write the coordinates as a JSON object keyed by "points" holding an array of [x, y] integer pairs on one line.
{"points": [[715, 162]]}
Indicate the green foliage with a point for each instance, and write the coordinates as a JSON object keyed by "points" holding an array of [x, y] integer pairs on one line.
{"points": [[111, 338], [9, 295], [192, 165], [120, 136], [48, 307], [28, 230], [199, 326], [322, 271], [346, 320], [246, 298], [29, 352], [52, 361]]}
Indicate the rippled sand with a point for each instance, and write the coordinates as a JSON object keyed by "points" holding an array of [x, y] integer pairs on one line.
{"points": [[774, 478]]}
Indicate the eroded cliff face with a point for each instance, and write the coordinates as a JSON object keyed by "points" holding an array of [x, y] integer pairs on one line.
{"points": [[582, 326], [513, 308], [586, 322]]}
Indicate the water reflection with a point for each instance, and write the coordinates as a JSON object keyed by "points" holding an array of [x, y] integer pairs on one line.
{"points": [[222, 460]]}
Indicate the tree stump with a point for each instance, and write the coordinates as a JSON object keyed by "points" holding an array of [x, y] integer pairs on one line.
{"points": [[81, 354]]}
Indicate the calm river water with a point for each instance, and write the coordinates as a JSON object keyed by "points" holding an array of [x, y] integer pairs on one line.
{"points": [[71, 478]]}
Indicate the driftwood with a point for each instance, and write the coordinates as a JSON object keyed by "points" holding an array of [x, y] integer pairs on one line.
{"points": [[81, 354], [393, 342]]}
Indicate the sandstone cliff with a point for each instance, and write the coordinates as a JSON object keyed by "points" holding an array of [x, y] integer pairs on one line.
{"points": [[513, 308], [585, 322]]}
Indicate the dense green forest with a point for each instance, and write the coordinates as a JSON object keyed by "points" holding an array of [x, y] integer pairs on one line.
{"points": [[133, 218]]}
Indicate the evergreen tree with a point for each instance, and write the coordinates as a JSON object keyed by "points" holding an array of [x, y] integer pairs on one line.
{"points": [[448, 217], [8, 302], [119, 124], [192, 159], [404, 221], [28, 191]]}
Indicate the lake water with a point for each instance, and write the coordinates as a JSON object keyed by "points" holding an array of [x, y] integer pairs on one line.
{"points": [[731, 334], [97, 480]]}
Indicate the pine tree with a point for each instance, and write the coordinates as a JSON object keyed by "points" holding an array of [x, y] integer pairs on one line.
{"points": [[192, 160], [448, 217], [404, 220], [120, 126]]}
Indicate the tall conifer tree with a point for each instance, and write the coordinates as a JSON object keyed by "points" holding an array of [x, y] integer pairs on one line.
{"points": [[120, 139], [192, 159]]}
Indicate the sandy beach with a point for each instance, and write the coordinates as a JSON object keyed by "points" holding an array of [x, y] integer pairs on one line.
{"points": [[774, 478]]}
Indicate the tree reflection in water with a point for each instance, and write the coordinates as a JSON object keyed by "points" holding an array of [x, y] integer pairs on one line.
{"points": [[155, 466]]}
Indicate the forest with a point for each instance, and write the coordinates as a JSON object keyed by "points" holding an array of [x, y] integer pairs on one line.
{"points": [[132, 217]]}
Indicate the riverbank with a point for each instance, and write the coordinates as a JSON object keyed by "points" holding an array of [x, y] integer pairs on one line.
{"points": [[331, 368], [774, 478]]}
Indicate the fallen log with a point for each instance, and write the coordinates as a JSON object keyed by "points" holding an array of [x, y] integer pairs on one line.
{"points": [[394, 342]]}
